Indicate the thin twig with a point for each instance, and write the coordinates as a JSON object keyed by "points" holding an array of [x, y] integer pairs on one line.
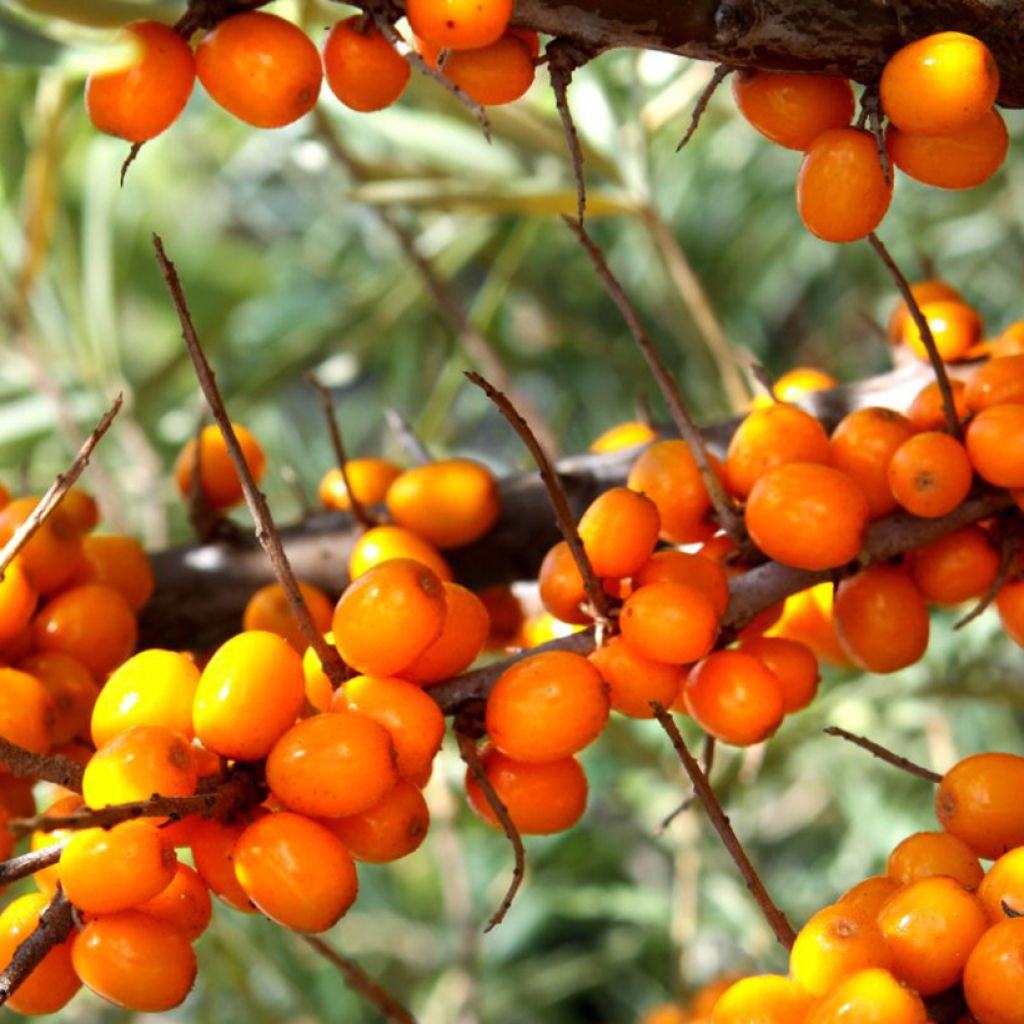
{"points": [[927, 338], [340, 455], [773, 915], [360, 982], [410, 441], [55, 925], [1010, 544], [266, 532], [871, 115], [560, 503], [55, 494], [884, 754], [133, 152], [722, 71], [55, 768], [728, 517], [564, 58], [708, 758], [29, 863]]}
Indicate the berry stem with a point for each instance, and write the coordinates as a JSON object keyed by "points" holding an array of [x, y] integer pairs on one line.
{"points": [[55, 925], [884, 754], [721, 72], [563, 59], [27, 764], [1011, 536]]}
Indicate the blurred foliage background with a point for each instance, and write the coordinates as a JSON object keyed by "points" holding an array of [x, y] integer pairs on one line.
{"points": [[289, 270]]}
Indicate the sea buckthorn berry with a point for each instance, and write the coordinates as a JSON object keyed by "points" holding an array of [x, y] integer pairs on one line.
{"points": [[881, 619], [808, 516], [871, 996], [762, 999], [459, 24], [1004, 884], [869, 896], [103, 872], [956, 328], [93, 624], [923, 292], [26, 711], [505, 616], [956, 567], [995, 444], [143, 96], [213, 853], [667, 473], [151, 688], [493, 75], [543, 627], [978, 801], [219, 481], [927, 412], [808, 616], [18, 599], [994, 974], [863, 445], [261, 68], [962, 159], [803, 380], [413, 721], [46, 880], [930, 927], [927, 854], [383, 543], [633, 681], [184, 903], [704, 574], [793, 110], [623, 435], [930, 474], [296, 872], [268, 610], [333, 765], [704, 999], [836, 942], [135, 961], [81, 508], [366, 73], [462, 638], [540, 798], [669, 622], [1010, 603], [146, 759], [939, 84], [562, 591], [319, 688], [16, 797], [667, 1013], [792, 663], [250, 692], [370, 478], [450, 503], [619, 532], [389, 616], [71, 688], [391, 829], [117, 562], [547, 706], [1009, 343], [734, 697], [996, 382], [771, 437], [51, 554], [53, 982], [841, 193]]}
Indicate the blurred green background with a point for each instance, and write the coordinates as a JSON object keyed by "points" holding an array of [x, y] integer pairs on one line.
{"points": [[289, 270]]}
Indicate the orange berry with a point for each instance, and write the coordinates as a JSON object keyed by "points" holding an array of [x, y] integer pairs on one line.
{"points": [[268, 610], [16, 797], [978, 801], [667, 473], [696, 571], [954, 568], [505, 616], [449, 503], [842, 194], [81, 508], [928, 854], [863, 445], [762, 999], [996, 382], [1010, 603], [462, 638], [392, 828], [808, 516], [18, 599], [53, 982], [836, 942], [184, 903], [144, 760], [220, 483], [669, 622], [389, 616], [923, 292], [939, 84], [562, 591], [667, 1013], [623, 435], [930, 474], [459, 24], [703, 1002], [213, 853], [995, 444], [413, 721], [319, 688], [543, 627], [995, 973], [71, 688], [546, 707], [619, 532], [51, 555], [260, 68], [143, 96], [956, 328], [541, 799], [807, 616], [734, 697], [493, 75], [366, 73], [1009, 343], [962, 159], [46, 880], [27, 711], [869, 896], [249, 694], [927, 411], [383, 543], [135, 961], [333, 765], [296, 872], [633, 681], [119, 563], [881, 619], [1004, 883], [803, 380], [370, 478], [792, 663], [871, 996], [793, 110]]}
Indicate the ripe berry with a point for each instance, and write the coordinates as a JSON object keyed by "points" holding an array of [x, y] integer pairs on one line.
{"points": [[871, 996], [383, 543], [370, 478], [623, 435], [46, 880], [995, 444], [672, 623], [954, 568], [493, 75], [978, 801], [144, 96], [119, 563], [697, 571], [1004, 884], [996, 382], [764, 999], [923, 292], [391, 829], [808, 617], [667, 473], [213, 853], [268, 610], [619, 532], [870, 895], [319, 688], [561, 585], [459, 24], [863, 445], [928, 854], [633, 681], [792, 663], [930, 474], [220, 484], [462, 638], [51, 554], [71, 689], [995, 973], [836, 942], [80, 507], [184, 903], [927, 412], [26, 711], [1010, 602], [956, 328], [366, 73], [18, 600]]}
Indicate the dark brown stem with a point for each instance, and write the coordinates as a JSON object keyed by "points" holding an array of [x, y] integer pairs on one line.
{"points": [[1012, 526], [29, 863], [884, 754], [722, 71], [55, 768], [708, 758], [563, 60], [55, 926], [266, 531], [772, 914], [133, 152]]}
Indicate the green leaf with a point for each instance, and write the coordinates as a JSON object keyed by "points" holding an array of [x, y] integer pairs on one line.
{"points": [[106, 13]]}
